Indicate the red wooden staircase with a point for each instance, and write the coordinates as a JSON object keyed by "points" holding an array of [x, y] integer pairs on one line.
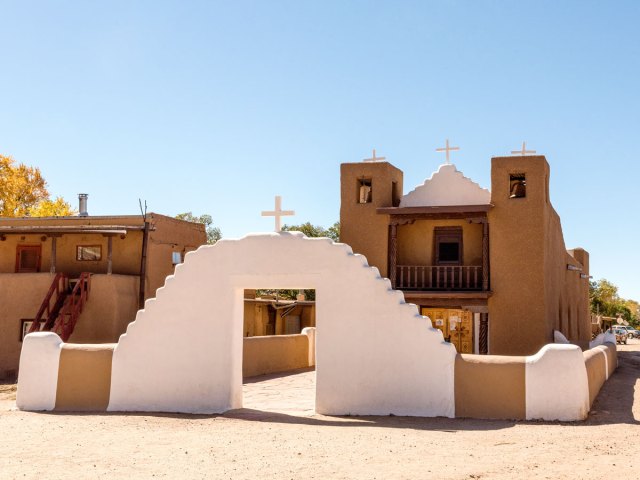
{"points": [[62, 305]]}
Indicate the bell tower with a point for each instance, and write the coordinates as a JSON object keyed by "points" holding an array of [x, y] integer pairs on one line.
{"points": [[520, 198], [364, 187]]}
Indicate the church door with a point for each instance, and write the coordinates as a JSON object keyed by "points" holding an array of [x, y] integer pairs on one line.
{"points": [[456, 326]]}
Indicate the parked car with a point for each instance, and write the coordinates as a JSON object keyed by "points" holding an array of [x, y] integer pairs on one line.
{"points": [[621, 335], [631, 332]]}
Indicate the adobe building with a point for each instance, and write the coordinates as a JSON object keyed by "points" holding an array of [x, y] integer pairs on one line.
{"points": [[120, 261], [268, 315], [490, 268]]}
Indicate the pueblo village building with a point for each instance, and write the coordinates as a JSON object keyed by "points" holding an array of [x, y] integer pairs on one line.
{"points": [[84, 277], [489, 268]]}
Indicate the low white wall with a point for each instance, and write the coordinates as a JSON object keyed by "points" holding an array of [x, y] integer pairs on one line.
{"points": [[38, 377], [556, 384]]}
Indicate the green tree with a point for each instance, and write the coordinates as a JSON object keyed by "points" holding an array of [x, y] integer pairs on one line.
{"points": [[604, 299], [23, 192], [213, 233], [333, 232]]}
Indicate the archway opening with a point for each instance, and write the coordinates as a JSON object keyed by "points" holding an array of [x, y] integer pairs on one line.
{"points": [[278, 360]]}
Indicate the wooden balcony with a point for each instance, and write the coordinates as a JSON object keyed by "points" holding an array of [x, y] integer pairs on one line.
{"points": [[439, 278]]}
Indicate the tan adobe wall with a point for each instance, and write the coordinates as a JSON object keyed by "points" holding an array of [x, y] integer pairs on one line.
{"points": [[596, 364], [517, 307], [256, 318], [103, 319], [490, 386], [416, 247], [263, 355], [20, 296], [533, 292], [170, 235], [112, 305], [84, 377], [360, 226]]}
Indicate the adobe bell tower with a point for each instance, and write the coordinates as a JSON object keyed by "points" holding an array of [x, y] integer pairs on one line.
{"points": [[364, 187]]}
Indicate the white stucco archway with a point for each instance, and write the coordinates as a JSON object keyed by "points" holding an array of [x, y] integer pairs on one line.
{"points": [[375, 354]]}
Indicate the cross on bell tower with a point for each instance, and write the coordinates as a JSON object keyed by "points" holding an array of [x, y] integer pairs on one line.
{"points": [[374, 158], [524, 150]]}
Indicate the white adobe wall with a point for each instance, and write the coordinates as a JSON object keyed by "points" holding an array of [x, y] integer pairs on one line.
{"points": [[447, 186], [557, 387], [38, 374], [375, 354]]}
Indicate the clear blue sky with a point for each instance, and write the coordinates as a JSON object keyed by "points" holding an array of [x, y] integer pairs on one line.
{"points": [[215, 107]]}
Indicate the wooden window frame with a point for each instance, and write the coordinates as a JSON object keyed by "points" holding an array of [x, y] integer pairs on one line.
{"points": [[450, 233], [78, 259], [20, 248]]}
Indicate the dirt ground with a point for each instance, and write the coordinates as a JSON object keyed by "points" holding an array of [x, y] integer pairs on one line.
{"points": [[294, 443]]}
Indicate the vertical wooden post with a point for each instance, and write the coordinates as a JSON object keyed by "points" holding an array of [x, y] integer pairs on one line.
{"points": [[485, 256], [109, 254], [53, 255], [393, 253], [143, 265], [484, 334]]}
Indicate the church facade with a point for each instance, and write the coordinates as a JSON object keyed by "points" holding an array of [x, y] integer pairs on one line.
{"points": [[489, 268]]}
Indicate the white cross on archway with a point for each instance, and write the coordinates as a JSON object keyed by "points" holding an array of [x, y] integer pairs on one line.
{"points": [[374, 158], [447, 149], [524, 150], [278, 213]]}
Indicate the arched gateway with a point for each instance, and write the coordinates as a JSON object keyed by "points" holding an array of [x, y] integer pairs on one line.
{"points": [[375, 354]]}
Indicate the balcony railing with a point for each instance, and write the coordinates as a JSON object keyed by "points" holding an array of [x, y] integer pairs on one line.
{"points": [[432, 277]]}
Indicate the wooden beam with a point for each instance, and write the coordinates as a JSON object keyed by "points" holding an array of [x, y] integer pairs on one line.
{"points": [[109, 254], [53, 254]]}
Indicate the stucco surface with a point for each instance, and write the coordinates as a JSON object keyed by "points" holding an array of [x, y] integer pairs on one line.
{"points": [[84, 377], [490, 386], [447, 186], [38, 377], [272, 354], [595, 362], [556, 384], [375, 354]]}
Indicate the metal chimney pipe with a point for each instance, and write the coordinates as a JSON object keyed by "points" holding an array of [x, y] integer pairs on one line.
{"points": [[82, 200]]}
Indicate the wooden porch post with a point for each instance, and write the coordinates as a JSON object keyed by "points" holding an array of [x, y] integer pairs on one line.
{"points": [[143, 265], [393, 254], [484, 334], [53, 255], [485, 256], [109, 254]]}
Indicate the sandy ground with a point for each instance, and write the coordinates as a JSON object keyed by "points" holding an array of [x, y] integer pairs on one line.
{"points": [[277, 435]]}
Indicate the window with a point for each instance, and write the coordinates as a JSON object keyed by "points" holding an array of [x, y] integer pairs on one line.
{"points": [[365, 194], [88, 253], [448, 245], [517, 185], [28, 258]]}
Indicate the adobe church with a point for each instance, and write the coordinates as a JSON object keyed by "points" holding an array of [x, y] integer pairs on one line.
{"points": [[489, 268]]}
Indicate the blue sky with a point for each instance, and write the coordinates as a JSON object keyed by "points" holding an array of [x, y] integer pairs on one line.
{"points": [[215, 107]]}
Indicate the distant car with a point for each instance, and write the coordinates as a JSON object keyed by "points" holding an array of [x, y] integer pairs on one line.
{"points": [[621, 335], [631, 332]]}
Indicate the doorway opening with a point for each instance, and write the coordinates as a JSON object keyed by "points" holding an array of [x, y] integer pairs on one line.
{"points": [[278, 360]]}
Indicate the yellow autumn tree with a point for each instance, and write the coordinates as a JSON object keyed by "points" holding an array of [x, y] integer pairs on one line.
{"points": [[23, 192]]}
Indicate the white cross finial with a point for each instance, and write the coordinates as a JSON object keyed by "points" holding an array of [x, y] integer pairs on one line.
{"points": [[278, 213], [374, 158], [447, 149], [524, 150]]}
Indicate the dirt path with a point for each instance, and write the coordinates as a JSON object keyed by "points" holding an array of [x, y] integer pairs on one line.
{"points": [[291, 443]]}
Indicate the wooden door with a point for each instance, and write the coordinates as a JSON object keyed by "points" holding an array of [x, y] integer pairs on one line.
{"points": [[28, 258], [456, 326]]}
